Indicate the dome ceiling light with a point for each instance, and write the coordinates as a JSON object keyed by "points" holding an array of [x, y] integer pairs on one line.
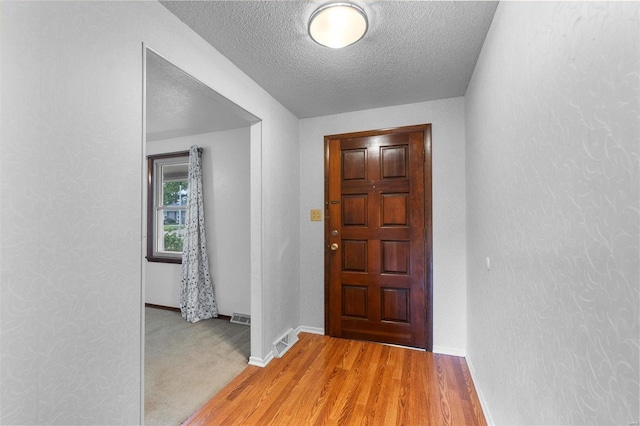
{"points": [[338, 25]]}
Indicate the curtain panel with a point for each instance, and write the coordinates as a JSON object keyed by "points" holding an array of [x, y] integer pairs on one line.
{"points": [[197, 301]]}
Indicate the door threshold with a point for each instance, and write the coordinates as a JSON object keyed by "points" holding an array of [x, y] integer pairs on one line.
{"points": [[403, 347], [388, 344]]}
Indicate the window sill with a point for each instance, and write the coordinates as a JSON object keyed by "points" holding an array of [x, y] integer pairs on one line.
{"points": [[162, 259]]}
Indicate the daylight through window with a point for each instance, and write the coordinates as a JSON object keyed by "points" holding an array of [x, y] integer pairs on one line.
{"points": [[167, 202]]}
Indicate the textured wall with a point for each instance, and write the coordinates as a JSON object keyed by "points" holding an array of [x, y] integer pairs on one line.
{"points": [[449, 290], [225, 175], [70, 267], [553, 198], [71, 178]]}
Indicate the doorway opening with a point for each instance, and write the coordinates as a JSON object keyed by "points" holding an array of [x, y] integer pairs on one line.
{"points": [[180, 111]]}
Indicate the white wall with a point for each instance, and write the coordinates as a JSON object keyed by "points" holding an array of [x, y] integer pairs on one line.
{"points": [[449, 290], [71, 244], [226, 186], [553, 198]]}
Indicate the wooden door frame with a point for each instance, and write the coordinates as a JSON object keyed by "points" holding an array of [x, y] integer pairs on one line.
{"points": [[428, 219]]}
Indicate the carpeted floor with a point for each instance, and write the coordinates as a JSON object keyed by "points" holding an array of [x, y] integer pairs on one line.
{"points": [[186, 364]]}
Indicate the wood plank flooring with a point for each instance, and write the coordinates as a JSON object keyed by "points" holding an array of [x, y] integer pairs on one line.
{"points": [[327, 381]]}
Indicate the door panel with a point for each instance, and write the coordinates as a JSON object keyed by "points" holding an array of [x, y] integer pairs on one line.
{"points": [[378, 279]]}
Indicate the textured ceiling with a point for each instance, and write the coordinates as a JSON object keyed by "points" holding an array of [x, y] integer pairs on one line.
{"points": [[179, 105], [414, 51]]}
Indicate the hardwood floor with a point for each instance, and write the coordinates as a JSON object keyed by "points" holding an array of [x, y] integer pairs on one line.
{"points": [[327, 381]]}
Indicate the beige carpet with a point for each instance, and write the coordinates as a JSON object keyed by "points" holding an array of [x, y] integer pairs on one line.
{"points": [[186, 364]]}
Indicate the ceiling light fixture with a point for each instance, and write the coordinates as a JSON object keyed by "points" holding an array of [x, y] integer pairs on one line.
{"points": [[338, 25]]}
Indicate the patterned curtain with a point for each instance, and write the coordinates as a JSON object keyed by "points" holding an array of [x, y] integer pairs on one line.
{"points": [[196, 295]]}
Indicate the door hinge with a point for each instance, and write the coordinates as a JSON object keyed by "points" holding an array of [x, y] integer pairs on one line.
{"points": [[424, 234], [425, 315], [424, 155]]}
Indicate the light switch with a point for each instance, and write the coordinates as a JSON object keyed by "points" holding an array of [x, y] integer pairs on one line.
{"points": [[316, 215]]}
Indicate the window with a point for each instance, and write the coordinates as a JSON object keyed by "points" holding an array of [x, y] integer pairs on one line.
{"points": [[166, 206]]}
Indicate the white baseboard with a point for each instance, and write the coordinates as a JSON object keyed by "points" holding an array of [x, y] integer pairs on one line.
{"points": [[483, 401], [261, 362], [442, 350], [311, 330]]}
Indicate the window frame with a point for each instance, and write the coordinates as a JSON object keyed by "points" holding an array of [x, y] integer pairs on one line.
{"points": [[152, 192]]}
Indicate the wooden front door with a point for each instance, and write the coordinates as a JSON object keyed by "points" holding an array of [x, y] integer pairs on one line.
{"points": [[378, 236]]}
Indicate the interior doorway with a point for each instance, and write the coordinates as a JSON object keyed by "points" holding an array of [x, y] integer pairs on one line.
{"points": [[180, 110], [378, 241]]}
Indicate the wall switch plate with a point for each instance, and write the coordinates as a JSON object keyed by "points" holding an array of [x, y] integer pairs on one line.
{"points": [[316, 215]]}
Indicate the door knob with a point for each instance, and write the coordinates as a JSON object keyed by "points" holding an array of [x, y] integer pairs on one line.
{"points": [[334, 246]]}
